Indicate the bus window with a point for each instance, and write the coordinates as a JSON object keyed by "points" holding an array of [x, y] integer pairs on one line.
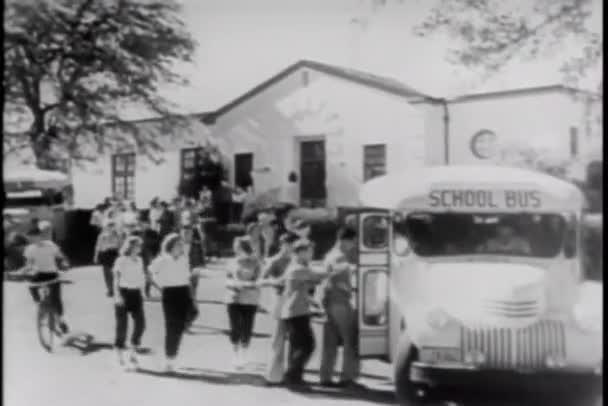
{"points": [[375, 232], [375, 289]]}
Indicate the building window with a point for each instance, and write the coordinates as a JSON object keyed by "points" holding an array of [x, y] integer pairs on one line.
{"points": [[123, 176], [573, 142], [374, 161], [191, 161]]}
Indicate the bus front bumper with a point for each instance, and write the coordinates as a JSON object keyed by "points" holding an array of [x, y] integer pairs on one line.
{"points": [[463, 375]]}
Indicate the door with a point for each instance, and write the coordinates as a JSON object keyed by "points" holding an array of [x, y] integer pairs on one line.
{"points": [[312, 174], [371, 281], [243, 166]]}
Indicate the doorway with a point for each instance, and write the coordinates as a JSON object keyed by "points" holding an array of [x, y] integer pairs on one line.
{"points": [[313, 191]]}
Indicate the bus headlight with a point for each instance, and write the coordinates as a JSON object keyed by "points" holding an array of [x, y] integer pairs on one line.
{"points": [[555, 361], [475, 358], [586, 320], [438, 318]]}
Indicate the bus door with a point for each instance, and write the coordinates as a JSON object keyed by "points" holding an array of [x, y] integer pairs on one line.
{"points": [[371, 281]]}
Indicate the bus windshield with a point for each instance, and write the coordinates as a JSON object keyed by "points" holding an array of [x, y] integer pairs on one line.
{"points": [[444, 234]]}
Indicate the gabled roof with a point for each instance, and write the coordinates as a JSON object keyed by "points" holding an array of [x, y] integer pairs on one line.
{"points": [[388, 85]]}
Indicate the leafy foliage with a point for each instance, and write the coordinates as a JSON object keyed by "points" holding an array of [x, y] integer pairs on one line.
{"points": [[490, 33], [73, 66]]}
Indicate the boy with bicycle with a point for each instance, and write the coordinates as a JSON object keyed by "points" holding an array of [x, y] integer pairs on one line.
{"points": [[43, 260]]}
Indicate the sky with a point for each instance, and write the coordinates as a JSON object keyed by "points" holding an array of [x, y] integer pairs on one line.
{"points": [[243, 42]]}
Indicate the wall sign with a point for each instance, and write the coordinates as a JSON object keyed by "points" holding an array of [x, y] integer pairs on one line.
{"points": [[483, 144]]}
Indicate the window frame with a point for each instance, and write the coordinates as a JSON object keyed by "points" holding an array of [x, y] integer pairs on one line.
{"points": [[126, 175], [183, 170], [371, 166]]}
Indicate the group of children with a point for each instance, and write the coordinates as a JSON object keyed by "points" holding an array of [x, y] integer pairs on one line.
{"points": [[130, 272], [291, 275], [171, 274]]}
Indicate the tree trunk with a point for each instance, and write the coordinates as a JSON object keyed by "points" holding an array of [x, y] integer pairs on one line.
{"points": [[41, 147]]}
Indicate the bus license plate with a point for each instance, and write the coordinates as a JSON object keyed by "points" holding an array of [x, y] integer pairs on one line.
{"points": [[440, 355]]}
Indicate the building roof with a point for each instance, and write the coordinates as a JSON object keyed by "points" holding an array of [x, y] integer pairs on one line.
{"points": [[520, 91], [386, 84]]}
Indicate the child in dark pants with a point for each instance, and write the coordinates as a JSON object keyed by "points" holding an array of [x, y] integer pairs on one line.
{"points": [[296, 311], [242, 298], [129, 282], [171, 274], [106, 251]]}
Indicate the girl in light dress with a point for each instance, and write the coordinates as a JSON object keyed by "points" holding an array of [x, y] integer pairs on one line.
{"points": [[242, 299], [170, 273], [129, 282]]}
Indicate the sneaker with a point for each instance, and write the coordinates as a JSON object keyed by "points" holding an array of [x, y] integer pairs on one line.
{"points": [[236, 360], [244, 356], [63, 327], [169, 366], [120, 353], [133, 358]]}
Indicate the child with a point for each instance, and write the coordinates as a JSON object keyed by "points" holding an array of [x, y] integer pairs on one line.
{"points": [[106, 251], [42, 257], [171, 274], [243, 298], [296, 312], [129, 281]]}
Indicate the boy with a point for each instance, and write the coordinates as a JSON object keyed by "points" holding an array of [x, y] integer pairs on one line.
{"points": [[299, 278], [41, 258]]}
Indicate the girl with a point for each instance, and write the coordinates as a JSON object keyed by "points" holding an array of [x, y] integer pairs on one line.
{"points": [[170, 273], [106, 252], [242, 298], [191, 235], [154, 213], [129, 281]]}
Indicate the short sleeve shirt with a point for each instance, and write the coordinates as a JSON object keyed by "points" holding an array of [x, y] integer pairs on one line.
{"points": [[131, 272], [43, 256]]}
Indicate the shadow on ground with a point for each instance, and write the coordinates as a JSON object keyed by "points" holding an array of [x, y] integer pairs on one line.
{"points": [[199, 329], [86, 344]]}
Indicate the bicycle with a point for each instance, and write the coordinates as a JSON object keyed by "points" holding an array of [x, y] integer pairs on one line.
{"points": [[48, 320]]}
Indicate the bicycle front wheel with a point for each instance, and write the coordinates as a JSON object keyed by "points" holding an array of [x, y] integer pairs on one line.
{"points": [[47, 324]]}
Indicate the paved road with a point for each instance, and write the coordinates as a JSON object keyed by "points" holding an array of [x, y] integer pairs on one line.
{"points": [[87, 373]]}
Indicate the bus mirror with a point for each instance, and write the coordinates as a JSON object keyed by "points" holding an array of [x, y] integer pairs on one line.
{"points": [[375, 296]]}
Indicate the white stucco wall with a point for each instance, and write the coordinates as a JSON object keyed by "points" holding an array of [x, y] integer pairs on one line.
{"points": [[93, 181], [539, 121], [347, 115]]}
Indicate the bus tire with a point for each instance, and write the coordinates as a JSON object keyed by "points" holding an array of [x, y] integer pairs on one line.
{"points": [[408, 392]]}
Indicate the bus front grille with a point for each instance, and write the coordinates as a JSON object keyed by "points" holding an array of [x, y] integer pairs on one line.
{"points": [[507, 348]]}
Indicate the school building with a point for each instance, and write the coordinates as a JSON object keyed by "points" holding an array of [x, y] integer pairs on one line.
{"points": [[335, 128]]}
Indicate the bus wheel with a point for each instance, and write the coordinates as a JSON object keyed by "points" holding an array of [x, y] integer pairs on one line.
{"points": [[408, 392]]}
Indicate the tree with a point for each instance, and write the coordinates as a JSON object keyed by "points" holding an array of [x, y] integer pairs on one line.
{"points": [[73, 66], [488, 34]]}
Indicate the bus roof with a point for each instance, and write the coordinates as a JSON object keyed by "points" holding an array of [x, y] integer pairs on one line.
{"points": [[411, 188], [37, 177]]}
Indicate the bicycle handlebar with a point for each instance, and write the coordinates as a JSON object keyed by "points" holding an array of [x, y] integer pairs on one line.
{"points": [[45, 283]]}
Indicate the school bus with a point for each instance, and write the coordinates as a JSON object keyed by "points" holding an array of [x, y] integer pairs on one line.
{"points": [[473, 276]]}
